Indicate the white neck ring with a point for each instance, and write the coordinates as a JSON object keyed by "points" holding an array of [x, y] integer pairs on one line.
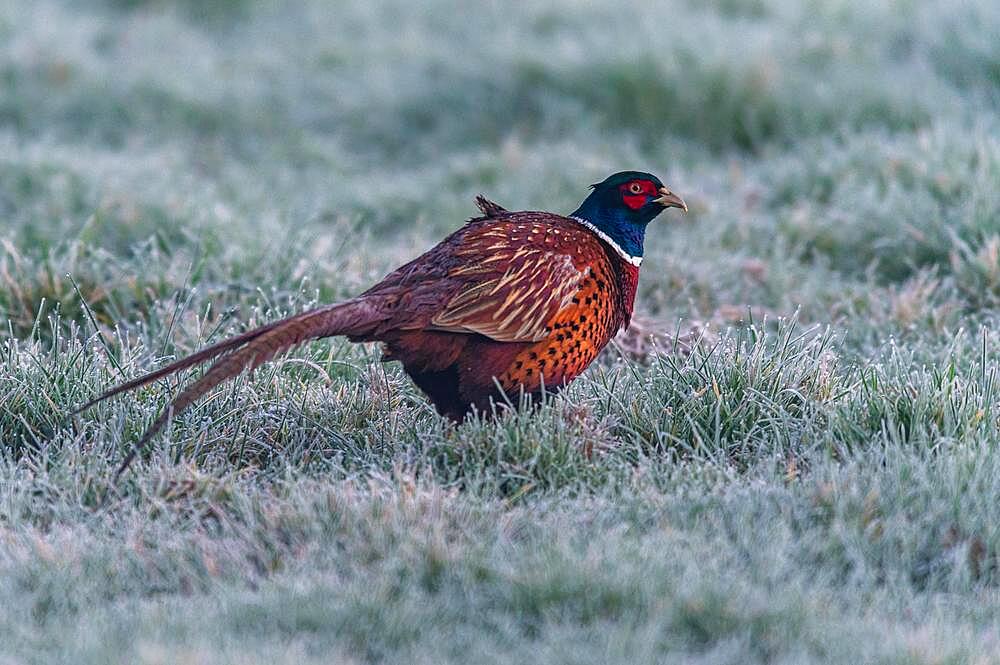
{"points": [[634, 260]]}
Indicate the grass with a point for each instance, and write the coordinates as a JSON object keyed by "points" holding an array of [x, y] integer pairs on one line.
{"points": [[792, 457]]}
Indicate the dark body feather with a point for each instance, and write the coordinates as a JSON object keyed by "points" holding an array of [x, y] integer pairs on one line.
{"points": [[526, 298]]}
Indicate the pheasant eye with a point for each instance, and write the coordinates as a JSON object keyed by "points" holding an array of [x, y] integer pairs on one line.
{"points": [[635, 188]]}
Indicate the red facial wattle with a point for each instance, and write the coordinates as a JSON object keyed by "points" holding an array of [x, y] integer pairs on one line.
{"points": [[635, 194]]}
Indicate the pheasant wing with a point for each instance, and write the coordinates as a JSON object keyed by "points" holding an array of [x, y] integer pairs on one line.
{"points": [[508, 292]]}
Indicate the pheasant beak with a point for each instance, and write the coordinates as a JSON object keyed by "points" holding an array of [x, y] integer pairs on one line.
{"points": [[670, 200]]}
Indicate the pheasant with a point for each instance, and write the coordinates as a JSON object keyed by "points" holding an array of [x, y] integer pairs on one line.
{"points": [[511, 302]]}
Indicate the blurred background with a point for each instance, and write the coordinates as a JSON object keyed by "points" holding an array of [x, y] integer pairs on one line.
{"points": [[828, 149]]}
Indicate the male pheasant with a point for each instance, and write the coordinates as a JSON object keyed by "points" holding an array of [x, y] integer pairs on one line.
{"points": [[512, 301]]}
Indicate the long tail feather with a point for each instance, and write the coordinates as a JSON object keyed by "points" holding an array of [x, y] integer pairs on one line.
{"points": [[189, 361], [355, 318]]}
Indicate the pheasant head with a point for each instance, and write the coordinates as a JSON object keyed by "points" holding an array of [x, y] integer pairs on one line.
{"points": [[622, 205]]}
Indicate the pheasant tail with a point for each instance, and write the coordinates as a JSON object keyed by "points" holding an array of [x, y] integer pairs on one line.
{"points": [[356, 318]]}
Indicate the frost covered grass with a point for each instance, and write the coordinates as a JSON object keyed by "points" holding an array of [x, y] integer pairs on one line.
{"points": [[792, 458]]}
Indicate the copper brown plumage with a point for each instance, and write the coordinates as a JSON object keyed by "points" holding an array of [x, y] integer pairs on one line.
{"points": [[509, 303]]}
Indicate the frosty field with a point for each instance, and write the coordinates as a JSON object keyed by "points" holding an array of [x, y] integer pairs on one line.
{"points": [[793, 458]]}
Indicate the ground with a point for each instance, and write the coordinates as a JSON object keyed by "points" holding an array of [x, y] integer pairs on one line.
{"points": [[794, 459]]}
